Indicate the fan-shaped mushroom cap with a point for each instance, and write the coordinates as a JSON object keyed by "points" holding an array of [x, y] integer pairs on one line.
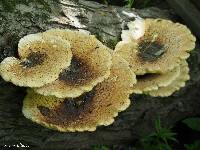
{"points": [[90, 65], [175, 85], [91, 109], [164, 45], [42, 58], [149, 82]]}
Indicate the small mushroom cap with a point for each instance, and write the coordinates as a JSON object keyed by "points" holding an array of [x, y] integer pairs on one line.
{"points": [[175, 85], [91, 109], [149, 82], [90, 65], [163, 47], [42, 58]]}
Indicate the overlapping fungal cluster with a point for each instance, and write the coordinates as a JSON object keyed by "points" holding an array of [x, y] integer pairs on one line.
{"points": [[75, 82], [156, 50]]}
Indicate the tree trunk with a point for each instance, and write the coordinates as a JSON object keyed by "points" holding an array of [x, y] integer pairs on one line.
{"points": [[106, 22]]}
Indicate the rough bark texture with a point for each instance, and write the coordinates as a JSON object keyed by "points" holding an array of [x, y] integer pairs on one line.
{"points": [[106, 23], [189, 11]]}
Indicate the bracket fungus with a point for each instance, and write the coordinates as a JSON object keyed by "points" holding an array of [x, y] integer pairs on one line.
{"points": [[157, 55], [175, 85], [162, 47], [41, 59], [90, 65], [153, 81], [79, 84], [84, 113]]}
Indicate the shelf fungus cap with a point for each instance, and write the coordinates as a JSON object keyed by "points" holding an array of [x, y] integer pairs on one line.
{"points": [[91, 109], [162, 47], [91, 63], [178, 83], [42, 58], [153, 81]]}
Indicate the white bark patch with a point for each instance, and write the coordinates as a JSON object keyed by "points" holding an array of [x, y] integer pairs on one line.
{"points": [[84, 31], [129, 14], [68, 2], [71, 14], [136, 30]]}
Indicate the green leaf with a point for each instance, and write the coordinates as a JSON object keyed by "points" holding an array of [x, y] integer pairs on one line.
{"points": [[129, 3], [194, 146], [158, 125], [193, 123], [159, 139], [100, 148]]}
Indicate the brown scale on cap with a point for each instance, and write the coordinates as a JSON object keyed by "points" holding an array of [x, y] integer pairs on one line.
{"points": [[41, 59], [78, 73], [69, 110], [162, 47], [90, 65], [91, 109], [150, 51], [34, 59]]}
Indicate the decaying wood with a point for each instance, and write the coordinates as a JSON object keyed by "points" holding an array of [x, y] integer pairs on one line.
{"points": [[106, 23]]}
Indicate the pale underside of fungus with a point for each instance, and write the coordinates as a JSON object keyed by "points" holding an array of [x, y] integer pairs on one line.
{"points": [[162, 47], [175, 85], [90, 65], [149, 82], [41, 59], [91, 109]]}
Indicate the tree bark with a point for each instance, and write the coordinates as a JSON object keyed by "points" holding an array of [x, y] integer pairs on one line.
{"points": [[106, 22], [189, 12]]}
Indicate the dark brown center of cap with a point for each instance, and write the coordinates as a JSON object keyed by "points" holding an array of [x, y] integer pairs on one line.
{"points": [[150, 51], [34, 59], [69, 110], [77, 74]]}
